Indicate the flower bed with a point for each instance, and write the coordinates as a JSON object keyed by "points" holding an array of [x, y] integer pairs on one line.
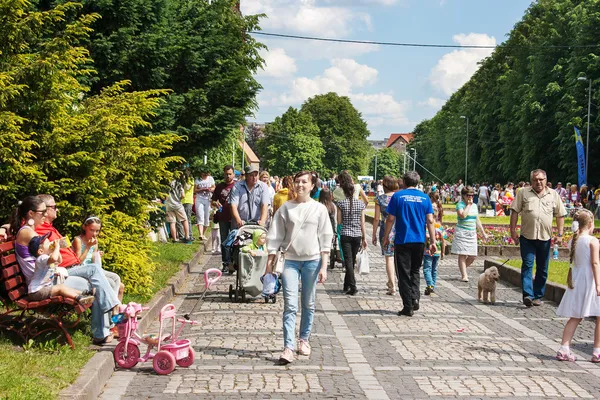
{"points": [[500, 235]]}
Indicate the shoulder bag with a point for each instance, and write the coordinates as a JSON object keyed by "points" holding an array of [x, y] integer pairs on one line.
{"points": [[280, 256]]}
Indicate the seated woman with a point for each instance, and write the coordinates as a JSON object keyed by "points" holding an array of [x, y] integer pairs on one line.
{"points": [[30, 219], [86, 248]]}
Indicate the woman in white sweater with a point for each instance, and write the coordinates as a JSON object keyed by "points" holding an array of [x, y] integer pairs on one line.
{"points": [[301, 228]]}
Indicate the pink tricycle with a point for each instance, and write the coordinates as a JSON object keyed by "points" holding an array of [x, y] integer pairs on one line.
{"points": [[170, 350]]}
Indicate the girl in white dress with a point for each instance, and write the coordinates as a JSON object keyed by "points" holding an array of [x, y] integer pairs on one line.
{"points": [[582, 298]]}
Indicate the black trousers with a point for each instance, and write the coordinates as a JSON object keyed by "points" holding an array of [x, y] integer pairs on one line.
{"points": [[350, 248], [408, 258], [224, 229]]}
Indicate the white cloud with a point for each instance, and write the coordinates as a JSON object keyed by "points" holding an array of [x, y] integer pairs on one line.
{"points": [[340, 78], [306, 17], [344, 77], [381, 109], [309, 50], [454, 69], [277, 64], [433, 102]]}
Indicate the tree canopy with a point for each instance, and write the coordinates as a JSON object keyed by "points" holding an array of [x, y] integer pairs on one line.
{"points": [[291, 144], [197, 49], [523, 102], [94, 153], [388, 163], [343, 133]]}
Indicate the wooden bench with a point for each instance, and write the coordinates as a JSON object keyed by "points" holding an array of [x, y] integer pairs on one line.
{"points": [[30, 319]]}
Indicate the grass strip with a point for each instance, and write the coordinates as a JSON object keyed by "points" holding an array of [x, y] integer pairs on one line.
{"points": [[557, 270]]}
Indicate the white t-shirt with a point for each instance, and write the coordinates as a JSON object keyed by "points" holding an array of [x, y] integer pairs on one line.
{"points": [[483, 191], [204, 185], [494, 196], [42, 275]]}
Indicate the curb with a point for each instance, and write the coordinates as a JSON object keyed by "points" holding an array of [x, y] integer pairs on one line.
{"points": [[554, 291], [98, 370]]}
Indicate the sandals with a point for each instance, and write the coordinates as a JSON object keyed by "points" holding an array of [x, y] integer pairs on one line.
{"points": [[596, 358], [562, 356]]}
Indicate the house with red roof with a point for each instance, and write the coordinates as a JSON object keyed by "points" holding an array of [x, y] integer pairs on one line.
{"points": [[399, 141]]}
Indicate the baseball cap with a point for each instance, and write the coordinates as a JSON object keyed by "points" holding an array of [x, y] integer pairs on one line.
{"points": [[251, 168], [35, 243]]}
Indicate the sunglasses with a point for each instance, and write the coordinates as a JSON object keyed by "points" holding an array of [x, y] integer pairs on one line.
{"points": [[40, 211]]}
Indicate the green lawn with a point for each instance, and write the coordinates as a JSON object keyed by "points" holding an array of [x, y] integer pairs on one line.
{"points": [[557, 270], [40, 370]]}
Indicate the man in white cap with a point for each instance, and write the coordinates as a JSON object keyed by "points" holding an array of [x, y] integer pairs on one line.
{"points": [[249, 200]]}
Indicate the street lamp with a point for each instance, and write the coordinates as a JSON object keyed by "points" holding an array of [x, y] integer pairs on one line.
{"points": [[375, 167], [414, 159], [587, 140], [466, 148]]}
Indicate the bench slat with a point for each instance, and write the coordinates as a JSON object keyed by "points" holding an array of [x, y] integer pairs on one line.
{"points": [[8, 260], [18, 294], [10, 271], [14, 282], [7, 246]]}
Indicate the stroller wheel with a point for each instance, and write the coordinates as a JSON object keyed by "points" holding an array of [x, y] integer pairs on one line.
{"points": [[274, 299], [230, 292], [243, 295], [266, 299]]}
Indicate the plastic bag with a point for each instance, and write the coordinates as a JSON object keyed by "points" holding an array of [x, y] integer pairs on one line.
{"points": [[271, 284], [362, 262]]}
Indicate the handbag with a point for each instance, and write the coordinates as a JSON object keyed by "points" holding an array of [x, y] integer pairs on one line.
{"points": [[280, 255]]}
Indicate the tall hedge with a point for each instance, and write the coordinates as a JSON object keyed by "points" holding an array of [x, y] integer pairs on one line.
{"points": [[94, 153]]}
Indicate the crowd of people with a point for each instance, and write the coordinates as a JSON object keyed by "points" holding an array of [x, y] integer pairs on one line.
{"points": [[307, 217]]}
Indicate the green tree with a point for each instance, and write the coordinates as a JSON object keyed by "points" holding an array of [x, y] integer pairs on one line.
{"points": [[198, 49], [343, 132], [291, 144], [95, 154], [524, 101], [388, 163]]}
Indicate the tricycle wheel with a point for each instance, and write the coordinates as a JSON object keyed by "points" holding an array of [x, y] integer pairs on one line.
{"points": [[230, 292], [164, 362], [187, 361], [126, 358]]}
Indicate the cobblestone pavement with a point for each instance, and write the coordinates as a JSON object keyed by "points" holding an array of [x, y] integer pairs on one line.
{"points": [[453, 347]]}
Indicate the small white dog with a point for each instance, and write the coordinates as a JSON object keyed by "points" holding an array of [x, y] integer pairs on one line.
{"points": [[486, 287]]}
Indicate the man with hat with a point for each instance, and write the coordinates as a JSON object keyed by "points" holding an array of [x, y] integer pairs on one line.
{"points": [[249, 200]]}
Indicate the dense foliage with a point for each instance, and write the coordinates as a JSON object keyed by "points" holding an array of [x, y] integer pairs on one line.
{"points": [[291, 144], [94, 153], [343, 133], [197, 49], [389, 162], [523, 102]]}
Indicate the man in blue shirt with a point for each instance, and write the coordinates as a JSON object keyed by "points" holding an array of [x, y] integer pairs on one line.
{"points": [[410, 209]]}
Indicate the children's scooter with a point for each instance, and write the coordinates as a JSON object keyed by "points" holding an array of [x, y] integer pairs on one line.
{"points": [[170, 350]]}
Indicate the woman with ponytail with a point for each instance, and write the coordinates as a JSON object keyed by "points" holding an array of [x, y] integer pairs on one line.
{"points": [[582, 298]]}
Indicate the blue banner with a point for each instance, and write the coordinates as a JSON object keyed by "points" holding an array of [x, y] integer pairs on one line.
{"points": [[580, 158]]}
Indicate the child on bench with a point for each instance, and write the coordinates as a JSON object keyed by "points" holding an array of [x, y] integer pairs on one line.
{"points": [[42, 285]]}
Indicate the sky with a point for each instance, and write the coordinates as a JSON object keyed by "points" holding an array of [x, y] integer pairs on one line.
{"points": [[394, 88]]}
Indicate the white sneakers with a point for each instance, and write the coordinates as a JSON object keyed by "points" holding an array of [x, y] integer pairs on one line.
{"points": [[303, 347], [287, 355]]}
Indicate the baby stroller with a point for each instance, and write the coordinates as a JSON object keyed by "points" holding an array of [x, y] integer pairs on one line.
{"points": [[249, 268]]}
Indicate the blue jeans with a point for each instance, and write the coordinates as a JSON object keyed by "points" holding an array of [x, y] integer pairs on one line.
{"points": [[493, 204], [105, 297], [538, 251], [430, 269], [293, 273]]}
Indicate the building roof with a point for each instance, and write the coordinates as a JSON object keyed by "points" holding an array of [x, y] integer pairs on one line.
{"points": [[250, 155], [407, 137]]}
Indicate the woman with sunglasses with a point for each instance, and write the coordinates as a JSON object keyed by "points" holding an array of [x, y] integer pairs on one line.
{"points": [[464, 243]]}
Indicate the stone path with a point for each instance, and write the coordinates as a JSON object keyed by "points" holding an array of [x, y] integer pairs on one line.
{"points": [[453, 347]]}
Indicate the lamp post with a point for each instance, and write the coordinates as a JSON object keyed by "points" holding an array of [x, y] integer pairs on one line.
{"points": [[375, 167], [587, 139], [466, 149], [414, 159]]}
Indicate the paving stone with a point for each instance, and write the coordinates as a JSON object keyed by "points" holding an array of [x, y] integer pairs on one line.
{"points": [[454, 347]]}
